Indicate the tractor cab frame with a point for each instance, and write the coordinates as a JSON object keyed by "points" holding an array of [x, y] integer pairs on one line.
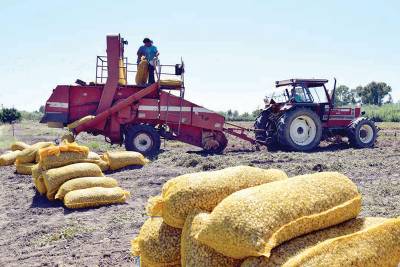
{"points": [[302, 91]]}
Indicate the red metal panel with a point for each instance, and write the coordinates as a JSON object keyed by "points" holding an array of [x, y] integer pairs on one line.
{"points": [[341, 117], [59, 100], [83, 95], [77, 112], [102, 117], [126, 91], [173, 108], [204, 118], [124, 115], [113, 129], [148, 109], [357, 111], [190, 135], [192, 114]]}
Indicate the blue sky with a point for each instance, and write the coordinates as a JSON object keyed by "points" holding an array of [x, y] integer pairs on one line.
{"points": [[233, 51]]}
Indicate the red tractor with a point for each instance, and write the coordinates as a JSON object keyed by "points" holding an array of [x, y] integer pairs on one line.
{"points": [[301, 113]]}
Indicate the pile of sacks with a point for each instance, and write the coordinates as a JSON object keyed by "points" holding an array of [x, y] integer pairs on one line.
{"points": [[246, 216], [71, 173]]}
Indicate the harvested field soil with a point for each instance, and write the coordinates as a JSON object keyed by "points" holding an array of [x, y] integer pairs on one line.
{"points": [[38, 232]]}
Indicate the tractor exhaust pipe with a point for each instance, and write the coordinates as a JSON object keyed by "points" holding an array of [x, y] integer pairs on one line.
{"points": [[333, 93]]}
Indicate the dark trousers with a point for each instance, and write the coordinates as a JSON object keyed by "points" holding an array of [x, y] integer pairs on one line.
{"points": [[151, 74]]}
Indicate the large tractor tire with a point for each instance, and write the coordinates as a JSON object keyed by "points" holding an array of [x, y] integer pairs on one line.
{"points": [[300, 129], [144, 139], [264, 127], [261, 126], [362, 133]]}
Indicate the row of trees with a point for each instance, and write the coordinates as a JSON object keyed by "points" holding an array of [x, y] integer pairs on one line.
{"points": [[234, 115], [374, 93]]}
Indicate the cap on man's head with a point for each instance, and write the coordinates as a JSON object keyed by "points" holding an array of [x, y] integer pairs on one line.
{"points": [[146, 40]]}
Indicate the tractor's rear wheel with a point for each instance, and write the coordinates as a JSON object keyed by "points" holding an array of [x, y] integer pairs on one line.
{"points": [[362, 133], [300, 129], [144, 139]]}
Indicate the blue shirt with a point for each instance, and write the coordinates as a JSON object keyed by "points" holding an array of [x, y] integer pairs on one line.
{"points": [[149, 52]]}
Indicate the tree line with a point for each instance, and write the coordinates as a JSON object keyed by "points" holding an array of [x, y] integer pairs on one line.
{"points": [[374, 93]]}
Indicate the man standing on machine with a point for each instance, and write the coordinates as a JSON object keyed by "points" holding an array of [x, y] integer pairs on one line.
{"points": [[150, 52]]}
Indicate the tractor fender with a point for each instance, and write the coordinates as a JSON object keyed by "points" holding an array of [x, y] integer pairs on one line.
{"points": [[286, 107], [357, 120]]}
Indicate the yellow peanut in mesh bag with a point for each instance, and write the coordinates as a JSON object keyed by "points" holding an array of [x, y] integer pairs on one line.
{"points": [[171, 83], [290, 249], [85, 182], [79, 122], [253, 221], [9, 158], [157, 244], [122, 72], [19, 146], [104, 166], [28, 155], [142, 72], [94, 197], [98, 160], [378, 245], [54, 178], [196, 254], [64, 154], [24, 168], [68, 137], [38, 180], [204, 190], [121, 159], [93, 156]]}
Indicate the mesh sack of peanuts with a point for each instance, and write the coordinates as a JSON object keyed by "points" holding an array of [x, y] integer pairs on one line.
{"points": [[204, 190], [253, 221], [157, 244]]}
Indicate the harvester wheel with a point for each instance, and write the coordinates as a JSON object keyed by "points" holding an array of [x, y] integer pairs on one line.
{"points": [[144, 139], [362, 133], [300, 129], [217, 144], [69, 137]]}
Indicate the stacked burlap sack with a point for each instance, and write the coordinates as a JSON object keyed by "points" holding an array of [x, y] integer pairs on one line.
{"points": [[71, 173], [246, 216]]}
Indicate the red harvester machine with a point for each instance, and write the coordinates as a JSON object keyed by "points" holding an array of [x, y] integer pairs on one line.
{"points": [[137, 115]]}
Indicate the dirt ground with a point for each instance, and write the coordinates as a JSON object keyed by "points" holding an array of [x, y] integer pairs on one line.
{"points": [[37, 232]]}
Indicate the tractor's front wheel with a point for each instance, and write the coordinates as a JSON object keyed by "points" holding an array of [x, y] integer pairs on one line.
{"points": [[300, 129], [362, 133], [144, 139]]}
